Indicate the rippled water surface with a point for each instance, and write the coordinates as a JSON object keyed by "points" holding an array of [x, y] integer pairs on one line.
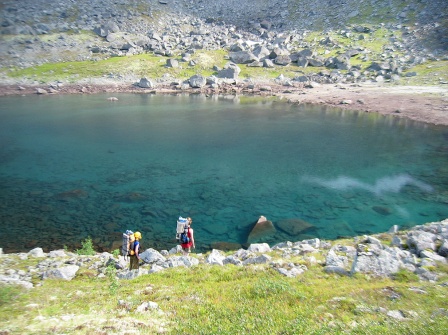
{"points": [[79, 165]]}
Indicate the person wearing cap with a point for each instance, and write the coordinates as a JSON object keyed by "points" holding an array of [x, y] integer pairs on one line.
{"points": [[135, 256]]}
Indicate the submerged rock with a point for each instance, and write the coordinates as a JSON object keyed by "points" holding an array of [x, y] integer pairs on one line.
{"points": [[72, 194], [263, 228], [294, 226], [131, 197], [382, 210], [225, 246]]}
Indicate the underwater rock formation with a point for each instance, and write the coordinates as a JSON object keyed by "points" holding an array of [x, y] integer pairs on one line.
{"points": [[225, 246], [263, 228], [72, 194], [294, 226]]}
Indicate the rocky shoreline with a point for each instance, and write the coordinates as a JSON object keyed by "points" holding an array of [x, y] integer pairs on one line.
{"points": [[257, 33], [427, 104], [419, 250]]}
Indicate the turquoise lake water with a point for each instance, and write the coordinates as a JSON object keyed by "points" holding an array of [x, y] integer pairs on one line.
{"points": [[75, 166]]}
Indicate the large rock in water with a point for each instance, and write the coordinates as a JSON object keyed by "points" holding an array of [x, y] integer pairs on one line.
{"points": [[263, 228], [294, 226]]}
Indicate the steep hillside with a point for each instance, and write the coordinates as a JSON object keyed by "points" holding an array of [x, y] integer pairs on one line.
{"points": [[404, 37]]}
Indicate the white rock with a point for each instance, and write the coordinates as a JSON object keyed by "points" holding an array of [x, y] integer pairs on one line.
{"points": [[259, 247], [37, 252], [66, 272]]}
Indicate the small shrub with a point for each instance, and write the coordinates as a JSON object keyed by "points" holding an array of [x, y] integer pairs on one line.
{"points": [[111, 273], [116, 253], [87, 248]]}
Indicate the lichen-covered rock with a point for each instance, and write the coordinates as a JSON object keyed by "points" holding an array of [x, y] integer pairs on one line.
{"points": [[146, 83], [421, 240], [37, 252], [150, 256], [232, 260], [259, 247], [197, 81], [185, 261], [242, 57], [67, 272], [215, 258], [230, 71], [383, 263], [262, 259]]}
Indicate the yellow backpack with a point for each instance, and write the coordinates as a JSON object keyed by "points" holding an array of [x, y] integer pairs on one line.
{"points": [[131, 245]]}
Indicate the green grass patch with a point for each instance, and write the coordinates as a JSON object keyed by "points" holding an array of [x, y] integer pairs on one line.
{"points": [[404, 276], [430, 73], [148, 65], [224, 300], [8, 293], [144, 65]]}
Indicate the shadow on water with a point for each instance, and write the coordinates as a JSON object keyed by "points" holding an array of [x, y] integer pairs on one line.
{"points": [[73, 167]]}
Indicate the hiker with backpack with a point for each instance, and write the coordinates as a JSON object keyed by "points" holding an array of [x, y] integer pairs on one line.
{"points": [[134, 252], [128, 237], [187, 238]]}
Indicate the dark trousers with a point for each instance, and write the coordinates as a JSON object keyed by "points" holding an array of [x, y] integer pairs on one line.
{"points": [[133, 262]]}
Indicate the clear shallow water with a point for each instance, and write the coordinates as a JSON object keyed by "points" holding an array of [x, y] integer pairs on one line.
{"points": [[77, 166]]}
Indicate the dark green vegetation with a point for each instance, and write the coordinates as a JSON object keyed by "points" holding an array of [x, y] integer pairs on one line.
{"points": [[87, 248]]}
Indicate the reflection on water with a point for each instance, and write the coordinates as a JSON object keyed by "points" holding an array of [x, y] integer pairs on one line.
{"points": [[382, 185], [78, 166]]}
